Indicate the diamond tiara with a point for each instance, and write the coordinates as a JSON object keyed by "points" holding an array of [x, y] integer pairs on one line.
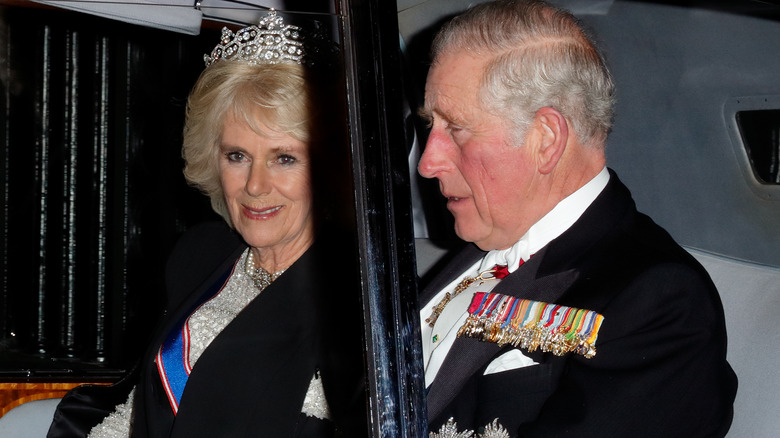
{"points": [[269, 42]]}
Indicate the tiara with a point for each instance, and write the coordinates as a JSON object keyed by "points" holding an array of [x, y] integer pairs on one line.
{"points": [[269, 42]]}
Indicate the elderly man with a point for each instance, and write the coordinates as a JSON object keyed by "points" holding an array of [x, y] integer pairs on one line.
{"points": [[571, 313]]}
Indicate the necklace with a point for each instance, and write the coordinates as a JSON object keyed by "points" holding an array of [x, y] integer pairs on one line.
{"points": [[468, 281], [260, 277]]}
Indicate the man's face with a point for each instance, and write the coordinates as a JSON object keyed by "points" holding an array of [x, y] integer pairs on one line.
{"points": [[489, 182]]}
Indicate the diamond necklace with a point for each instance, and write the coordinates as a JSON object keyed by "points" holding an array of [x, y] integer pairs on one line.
{"points": [[260, 277]]}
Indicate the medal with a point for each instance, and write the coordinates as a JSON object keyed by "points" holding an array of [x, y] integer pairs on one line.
{"points": [[496, 273], [531, 325]]}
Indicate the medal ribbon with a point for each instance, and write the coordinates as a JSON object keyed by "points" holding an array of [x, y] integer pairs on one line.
{"points": [[173, 363], [504, 319]]}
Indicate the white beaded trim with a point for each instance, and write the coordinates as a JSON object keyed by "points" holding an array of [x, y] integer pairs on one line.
{"points": [[117, 424], [214, 315], [315, 404]]}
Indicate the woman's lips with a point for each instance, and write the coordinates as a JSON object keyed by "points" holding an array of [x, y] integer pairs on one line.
{"points": [[260, 214]]}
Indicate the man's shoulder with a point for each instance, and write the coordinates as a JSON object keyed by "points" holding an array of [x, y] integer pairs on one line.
{"points": [[623, 253], [639, 275], [645, 243], [623, 236], [638, 250]]}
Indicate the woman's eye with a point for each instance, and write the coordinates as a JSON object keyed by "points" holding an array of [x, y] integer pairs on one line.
{"points": [[234, 157], [286, 159]]}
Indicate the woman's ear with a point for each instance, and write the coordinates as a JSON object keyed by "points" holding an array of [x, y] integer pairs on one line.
{"points": [[552, 135]]}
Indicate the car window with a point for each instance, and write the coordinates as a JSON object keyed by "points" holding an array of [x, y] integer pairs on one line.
{"points": [[94, 199]]}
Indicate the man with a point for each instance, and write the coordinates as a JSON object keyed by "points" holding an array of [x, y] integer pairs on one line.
{"points": [[571, 314]]}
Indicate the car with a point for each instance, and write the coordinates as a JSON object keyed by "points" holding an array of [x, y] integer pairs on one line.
{"points": [[93, 198]]}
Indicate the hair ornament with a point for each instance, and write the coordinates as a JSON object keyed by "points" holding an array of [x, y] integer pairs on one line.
{"points": [[269, 42]]}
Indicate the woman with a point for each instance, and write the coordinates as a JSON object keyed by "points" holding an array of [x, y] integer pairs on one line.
{"points": [[262, 335]]}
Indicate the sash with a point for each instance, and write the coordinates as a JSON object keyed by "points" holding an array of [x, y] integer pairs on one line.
{"points": [[173, 358]]}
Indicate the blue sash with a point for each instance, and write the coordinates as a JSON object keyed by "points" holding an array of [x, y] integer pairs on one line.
{"points": [[173, 358]]}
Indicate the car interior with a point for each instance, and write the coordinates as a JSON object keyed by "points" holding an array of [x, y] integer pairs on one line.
{"points": [[696, 137]]}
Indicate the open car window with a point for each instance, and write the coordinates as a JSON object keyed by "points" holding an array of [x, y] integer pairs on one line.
{"points": [[93, 196], [93, 199]]}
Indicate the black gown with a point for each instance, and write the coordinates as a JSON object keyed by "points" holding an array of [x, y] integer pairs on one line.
{"points": [[252, 379]]}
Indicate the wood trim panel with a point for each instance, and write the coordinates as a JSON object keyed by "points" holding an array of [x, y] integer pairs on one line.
{"points": [[15, 394]]}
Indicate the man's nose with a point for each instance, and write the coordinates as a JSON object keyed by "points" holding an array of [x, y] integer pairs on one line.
{"points": [[433, 159]]}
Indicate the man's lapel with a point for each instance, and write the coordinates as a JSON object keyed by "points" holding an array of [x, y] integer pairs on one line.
{"points": [[468, 355], [527, 283]]}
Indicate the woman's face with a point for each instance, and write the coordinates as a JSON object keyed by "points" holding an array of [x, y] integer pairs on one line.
{"points": [[266, 180]]}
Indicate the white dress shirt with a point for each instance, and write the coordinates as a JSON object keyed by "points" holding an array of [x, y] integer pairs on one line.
{"points": [[438, 340]]}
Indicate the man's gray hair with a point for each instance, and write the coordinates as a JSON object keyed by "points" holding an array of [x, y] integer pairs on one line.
{"points": [[541, 57]]}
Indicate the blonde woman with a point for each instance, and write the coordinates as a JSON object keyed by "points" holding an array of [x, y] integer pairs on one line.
{"points": [[262, 334]]}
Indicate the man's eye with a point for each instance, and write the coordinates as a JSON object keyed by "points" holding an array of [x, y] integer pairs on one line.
{"points": [[426, 117], [455, 130]]}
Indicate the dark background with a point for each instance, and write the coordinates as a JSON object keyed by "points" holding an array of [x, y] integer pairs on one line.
{"points": [[92, 193]]}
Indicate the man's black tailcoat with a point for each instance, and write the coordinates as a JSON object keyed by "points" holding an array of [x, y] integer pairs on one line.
{"points": [[660, 367]]}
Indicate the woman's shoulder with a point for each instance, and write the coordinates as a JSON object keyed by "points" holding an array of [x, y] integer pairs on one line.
{"points": [[198, 252], [213, 233], [207, 242]]}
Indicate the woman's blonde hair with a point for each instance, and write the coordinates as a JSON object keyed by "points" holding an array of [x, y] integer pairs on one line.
{"points": [[277, 95]]}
